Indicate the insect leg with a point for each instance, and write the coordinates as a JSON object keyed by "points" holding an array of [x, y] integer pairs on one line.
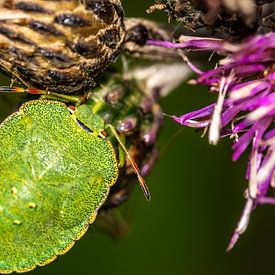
{"points": [[133, 163], [121, 154]]}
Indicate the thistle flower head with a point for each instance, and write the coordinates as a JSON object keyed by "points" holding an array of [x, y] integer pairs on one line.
{"points": [[245, 109]]}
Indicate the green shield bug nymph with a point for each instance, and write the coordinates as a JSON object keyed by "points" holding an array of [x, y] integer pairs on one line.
{"points": [[57, 167]]}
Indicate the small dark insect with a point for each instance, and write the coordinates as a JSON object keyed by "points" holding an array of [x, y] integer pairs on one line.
{"points": [[59, 45]]}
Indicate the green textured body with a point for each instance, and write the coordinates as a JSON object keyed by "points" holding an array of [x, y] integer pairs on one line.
{"points": [[54, 177]]}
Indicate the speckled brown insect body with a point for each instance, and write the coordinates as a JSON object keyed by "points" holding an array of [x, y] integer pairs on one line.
{"points": [[59, 45]]}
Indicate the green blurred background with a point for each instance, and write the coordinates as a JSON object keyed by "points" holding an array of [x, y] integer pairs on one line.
{"points": [[197, 200]]}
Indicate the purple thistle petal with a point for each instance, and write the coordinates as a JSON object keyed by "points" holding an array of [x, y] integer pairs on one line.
{"points": [[245, 81], [247, 89], [251, 103], [247, 70], [189, 42], [265, 172], [229, 114], [269, 134], [255, 162], [240, 146], [271, 77], [266, 200], [201, 113], [192, 123], [216, 121], [240, 126], [242, 224]]}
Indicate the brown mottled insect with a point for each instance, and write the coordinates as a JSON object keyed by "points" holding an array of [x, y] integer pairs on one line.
{"points": [[59, 45]]}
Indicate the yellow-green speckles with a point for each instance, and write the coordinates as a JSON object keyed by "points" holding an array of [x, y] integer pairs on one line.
{"points": [[17, 222], [31, 205], [14, 190], [54, 177]]}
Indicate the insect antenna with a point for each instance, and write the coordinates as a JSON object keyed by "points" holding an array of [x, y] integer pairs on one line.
{"points": [[141, 180], [7, 89], [46, 94]]}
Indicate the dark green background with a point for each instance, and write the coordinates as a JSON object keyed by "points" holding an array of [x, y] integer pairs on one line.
{"points": [[197, 199]]}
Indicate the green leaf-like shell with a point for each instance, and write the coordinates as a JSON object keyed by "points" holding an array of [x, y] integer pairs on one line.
{"points": [[54, 176]]}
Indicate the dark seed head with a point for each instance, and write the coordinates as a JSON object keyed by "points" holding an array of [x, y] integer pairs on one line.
{"points": [[110, 38], [103, 9], [69, 43]]}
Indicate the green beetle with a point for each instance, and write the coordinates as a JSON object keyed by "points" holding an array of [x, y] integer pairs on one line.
{"points": [[57, 166]]}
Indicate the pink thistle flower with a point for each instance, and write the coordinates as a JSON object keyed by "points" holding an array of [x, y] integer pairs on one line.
{"points": [[244, 111]]}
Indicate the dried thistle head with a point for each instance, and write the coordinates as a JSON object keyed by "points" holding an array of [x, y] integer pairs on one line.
{"points": [[237, 18], [59, 45]]}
